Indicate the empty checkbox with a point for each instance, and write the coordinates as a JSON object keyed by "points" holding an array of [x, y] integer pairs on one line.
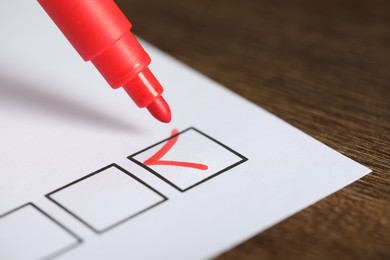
{"points": [[106, 198], [29, 233], [187, 159]]}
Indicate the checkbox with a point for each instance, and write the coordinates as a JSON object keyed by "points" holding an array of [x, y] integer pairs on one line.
{"points": [[187, 159], [106, 198], [27, 232]]}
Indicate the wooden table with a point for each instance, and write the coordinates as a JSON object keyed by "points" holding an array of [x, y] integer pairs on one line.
{"points": [[323, 66]]}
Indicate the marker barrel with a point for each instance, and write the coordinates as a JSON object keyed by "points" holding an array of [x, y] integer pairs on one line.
{"points": [[100, 33]]}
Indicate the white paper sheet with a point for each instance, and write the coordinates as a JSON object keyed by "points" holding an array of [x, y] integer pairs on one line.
{"points": [[73, 183]]}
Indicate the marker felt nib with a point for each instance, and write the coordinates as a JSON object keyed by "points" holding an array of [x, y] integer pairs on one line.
{"points": [[146, 91], [160, 110]]}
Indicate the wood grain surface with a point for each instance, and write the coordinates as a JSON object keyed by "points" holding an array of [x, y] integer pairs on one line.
{"points": [[323, 66]]}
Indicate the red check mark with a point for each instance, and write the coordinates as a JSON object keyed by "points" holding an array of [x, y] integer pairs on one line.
{"points": [[155, 159]]}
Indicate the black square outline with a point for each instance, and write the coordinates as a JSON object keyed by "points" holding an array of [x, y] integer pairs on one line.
{"points": [[56, 253], [243, 159], [118, 222]]}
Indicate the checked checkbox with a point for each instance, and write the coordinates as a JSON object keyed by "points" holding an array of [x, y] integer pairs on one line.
{"points": [[187, 158]]}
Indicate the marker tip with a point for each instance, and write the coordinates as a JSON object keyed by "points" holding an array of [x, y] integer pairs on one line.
{"points": [[160, 110]]}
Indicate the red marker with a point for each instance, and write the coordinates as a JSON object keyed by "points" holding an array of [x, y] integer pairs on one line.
{"points": [[100, 33]]}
